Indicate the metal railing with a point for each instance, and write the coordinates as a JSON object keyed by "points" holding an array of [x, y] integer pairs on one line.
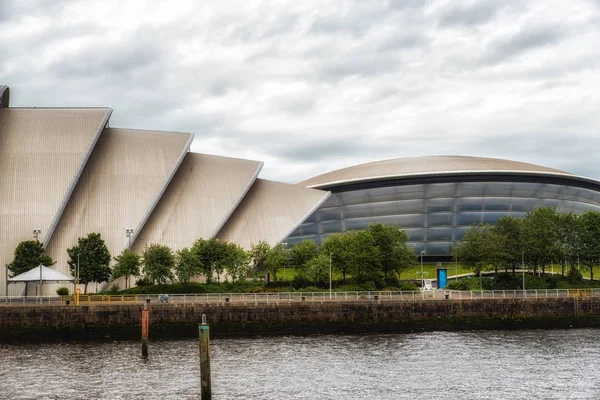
{"points": [[91, 299]]}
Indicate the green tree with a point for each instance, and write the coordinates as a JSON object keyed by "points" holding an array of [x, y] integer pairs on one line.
{"points": [[568, 239], [589, 226], [187, 265], [211, 253], [317, 269], [236, 259], [508, 234], [258, 256], [339, 246], [159, 262], [540, 237], [394, 254], [276, 259], [94, 259], [28, 255], [473, 249], [301, 254], [364, 257], [127, 265]]}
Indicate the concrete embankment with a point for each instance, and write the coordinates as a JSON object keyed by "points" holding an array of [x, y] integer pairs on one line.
{"points": [[45, 323]]}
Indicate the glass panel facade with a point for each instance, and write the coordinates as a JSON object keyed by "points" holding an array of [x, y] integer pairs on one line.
{"points": [[437, 215]]}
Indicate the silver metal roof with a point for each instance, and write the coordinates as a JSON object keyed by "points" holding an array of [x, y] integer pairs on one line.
{"points": [[428, 166]]}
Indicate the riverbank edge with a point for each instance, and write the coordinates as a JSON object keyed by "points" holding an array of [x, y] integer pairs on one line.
{"points": [[38, 323]]}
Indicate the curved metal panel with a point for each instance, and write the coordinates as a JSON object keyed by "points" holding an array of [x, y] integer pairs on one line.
{"points": [[41, 150], [4, 96], [423, 166], [118, 186], [202, 195], [270, 211]]}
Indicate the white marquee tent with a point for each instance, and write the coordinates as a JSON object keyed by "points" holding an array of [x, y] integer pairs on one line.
{"points": [[40, 274]]}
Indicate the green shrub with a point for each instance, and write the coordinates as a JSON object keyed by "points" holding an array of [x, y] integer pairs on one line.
{"points": [[62, 291], [115, 288]]}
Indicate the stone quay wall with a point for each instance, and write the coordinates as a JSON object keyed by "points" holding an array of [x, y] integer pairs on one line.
{"points": [[123, 321]]}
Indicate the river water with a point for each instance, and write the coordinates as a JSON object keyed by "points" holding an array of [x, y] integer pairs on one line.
{"points": [[558, 364]]}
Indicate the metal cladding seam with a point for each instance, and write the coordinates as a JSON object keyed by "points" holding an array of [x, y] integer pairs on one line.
{"points": [[41, 150]]}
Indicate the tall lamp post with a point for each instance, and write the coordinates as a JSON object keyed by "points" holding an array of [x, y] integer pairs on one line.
{"points": [[330, 275], [128, 233], [523, 267], [77, 290], [285, 247], [422, 276]]}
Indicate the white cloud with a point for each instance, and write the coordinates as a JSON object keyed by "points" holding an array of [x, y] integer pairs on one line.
{"points": [[312, 86]]}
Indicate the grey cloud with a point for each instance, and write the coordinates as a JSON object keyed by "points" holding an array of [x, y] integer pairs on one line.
{"points": [[523, 41], [471, 13], [403, 41], [14, 10], [378, 79], [102, 57]]}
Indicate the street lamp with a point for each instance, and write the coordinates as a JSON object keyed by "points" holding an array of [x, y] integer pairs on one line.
{"points": [[330, 275], [285, 247], [128, 233], [36, 233], [523, 268], [422, 276], [77, 290]]}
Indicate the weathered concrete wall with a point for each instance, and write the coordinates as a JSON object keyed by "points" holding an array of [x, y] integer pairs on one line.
{"points": [[227, 319]]}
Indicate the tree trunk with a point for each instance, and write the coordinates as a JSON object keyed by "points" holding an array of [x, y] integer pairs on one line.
{"points": [[544, 269], [592, 272], [85, 288], [562, 264], [514, 268]]}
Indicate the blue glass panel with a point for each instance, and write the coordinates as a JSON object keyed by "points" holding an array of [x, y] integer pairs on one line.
{"points": [[437, 190], [469, 204], [470, 189], [438, 248], [440, 233], [499, 189], [497, 203], [415, 234], [552, 191], [411, 192], [525, 189], [330, 226], [468, 218], [383, 194], [459, 232], [355, 197], [524, 204], [439, 219], [328, 214], [493, 217], [356, 211], [309, 229], [437, 205]]}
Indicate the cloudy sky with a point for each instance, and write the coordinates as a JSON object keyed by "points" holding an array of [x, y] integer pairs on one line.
{"points": [[311, 86]]}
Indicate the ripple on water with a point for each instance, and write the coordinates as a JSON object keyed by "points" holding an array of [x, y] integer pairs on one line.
{"points": [[558, 364]]}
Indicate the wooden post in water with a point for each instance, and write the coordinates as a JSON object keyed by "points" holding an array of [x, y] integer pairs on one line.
{"points": [[205, 389], [145, 331]]}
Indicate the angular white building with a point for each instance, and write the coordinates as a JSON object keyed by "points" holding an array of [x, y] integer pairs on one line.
{"points": [[64, 173]]}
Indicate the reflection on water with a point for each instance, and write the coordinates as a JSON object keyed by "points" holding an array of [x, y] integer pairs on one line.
{"points": [[435, 365]]}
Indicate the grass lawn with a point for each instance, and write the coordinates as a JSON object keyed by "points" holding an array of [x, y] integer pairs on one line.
{"points": [[414, 272]]}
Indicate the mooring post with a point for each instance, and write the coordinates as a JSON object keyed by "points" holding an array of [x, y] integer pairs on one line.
{"points": [[145, 331], [205, 389]]}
